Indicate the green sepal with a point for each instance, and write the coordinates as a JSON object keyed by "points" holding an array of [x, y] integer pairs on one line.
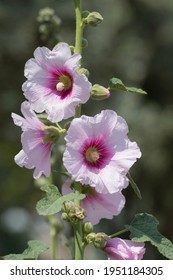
{"points": [[35, 248], [53, 202], [116, 83], [144, 228]]}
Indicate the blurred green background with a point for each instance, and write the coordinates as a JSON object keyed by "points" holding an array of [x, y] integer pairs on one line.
{"points": [[133, 43]]}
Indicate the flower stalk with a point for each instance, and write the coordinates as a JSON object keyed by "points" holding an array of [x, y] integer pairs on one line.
{"points": [[118, 233]]}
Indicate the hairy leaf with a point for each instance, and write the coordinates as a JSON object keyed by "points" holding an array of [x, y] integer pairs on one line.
{"points": [[53, 201], [116, 83], [35, 248], [144, 228]]}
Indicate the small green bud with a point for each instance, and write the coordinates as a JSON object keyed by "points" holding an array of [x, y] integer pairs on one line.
{"points": [[87, 227], [100, 240], [80, 213], [64, 216], [99, 92], [90, 238], [94, 18], [84, 71]]}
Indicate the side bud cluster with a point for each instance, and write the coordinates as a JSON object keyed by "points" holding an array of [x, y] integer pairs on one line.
{"points": [[73, 213], [97, 239]]}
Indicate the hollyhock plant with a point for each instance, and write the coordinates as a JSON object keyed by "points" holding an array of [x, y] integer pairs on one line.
{"points": [[53, 83], [122, 249], [98, 152], [97, 205], [35, 151]]}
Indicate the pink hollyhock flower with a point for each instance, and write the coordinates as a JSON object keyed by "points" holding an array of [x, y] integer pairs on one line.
{"points": [[98, 205], [98, 152], [53, 85], [35, 153], [122, 249]]}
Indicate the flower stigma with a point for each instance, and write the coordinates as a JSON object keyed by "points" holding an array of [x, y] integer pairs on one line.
{"points": [[64, 83], [92, 155]]}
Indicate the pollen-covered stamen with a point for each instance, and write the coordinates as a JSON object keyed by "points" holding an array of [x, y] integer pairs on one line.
{"points": [[92, 155], [64, 83]]}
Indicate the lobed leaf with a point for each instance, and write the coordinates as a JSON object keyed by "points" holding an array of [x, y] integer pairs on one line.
{"points": [[53, 201], [144, 228], [35, 248], [116, 83]]}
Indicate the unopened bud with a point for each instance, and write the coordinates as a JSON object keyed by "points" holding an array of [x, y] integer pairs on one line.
{"points": [[88, 227], [64, 216], [94, 18], [84, 71], [99, 92], [90, 238], [100, 240]]}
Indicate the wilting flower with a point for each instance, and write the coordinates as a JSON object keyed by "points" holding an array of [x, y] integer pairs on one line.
{"points": [[97, 205], [53, 85], [35, 151], [98, 152], [122, 249]]}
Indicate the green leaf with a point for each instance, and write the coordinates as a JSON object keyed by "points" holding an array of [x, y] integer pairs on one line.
{"points": [[116, 83], [134, 186], [35, 248], [144, 228], [53, 201]]}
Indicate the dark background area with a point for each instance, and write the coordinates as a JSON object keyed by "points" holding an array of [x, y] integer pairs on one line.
{"points": [[133, 43]]}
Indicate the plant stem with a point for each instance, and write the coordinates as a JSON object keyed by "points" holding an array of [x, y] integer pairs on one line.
{"points": [[79, 27], [78, 40], [118, 233], [78, 49], [53, 236], [79, 249]]}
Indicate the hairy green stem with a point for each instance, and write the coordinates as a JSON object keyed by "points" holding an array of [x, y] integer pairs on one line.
{"points": [[79, 27], [78, 40], [53, 238], [118, 233], [79, 249]]}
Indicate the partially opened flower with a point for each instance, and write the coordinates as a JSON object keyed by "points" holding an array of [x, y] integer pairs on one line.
{"points": [[53, 84], [35, 151], [97, 205], [98, 152], [122, 249]]}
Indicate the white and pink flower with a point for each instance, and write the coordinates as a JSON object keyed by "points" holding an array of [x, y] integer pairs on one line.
{"points": [[98, 206], [122, 249], [53, 84], [35, 152], [98, 152]]}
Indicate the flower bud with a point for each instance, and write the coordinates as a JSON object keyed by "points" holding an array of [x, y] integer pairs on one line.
{"points": [[64, 216], [90, 238], [99, 92], [100, 240], [87, 227], [84, 71], [94, 18]]}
